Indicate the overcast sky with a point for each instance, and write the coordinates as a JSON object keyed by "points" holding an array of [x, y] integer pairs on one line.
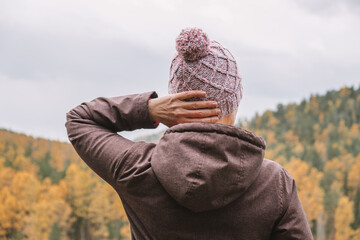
{"points": [[55, 54]]}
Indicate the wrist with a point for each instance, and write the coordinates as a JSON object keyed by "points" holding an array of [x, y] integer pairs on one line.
{"points": [[152, 111]]}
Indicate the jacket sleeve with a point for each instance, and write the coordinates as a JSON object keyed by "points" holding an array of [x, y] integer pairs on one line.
{"points": [[92, 129], [292, 223]]}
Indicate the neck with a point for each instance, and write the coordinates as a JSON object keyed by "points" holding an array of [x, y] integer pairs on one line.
{"points": [[228, 119]]}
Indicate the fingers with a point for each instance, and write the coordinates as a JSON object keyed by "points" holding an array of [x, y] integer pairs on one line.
{"points": [[194, 104], [194, 111], [201, 113], [189, 94], [199, 105]]}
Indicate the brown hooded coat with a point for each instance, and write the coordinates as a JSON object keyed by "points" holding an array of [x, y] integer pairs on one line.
{"points": [[201, 181]]}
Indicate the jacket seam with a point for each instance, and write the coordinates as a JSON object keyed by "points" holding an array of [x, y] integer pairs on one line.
{"points": [[189, 192], [252, 141], [282, 208]]}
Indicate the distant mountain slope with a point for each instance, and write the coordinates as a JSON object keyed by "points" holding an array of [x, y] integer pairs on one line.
{"points": [[325, 126], [47, 192]]}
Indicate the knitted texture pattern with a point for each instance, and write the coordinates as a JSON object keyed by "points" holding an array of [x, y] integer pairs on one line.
{"points": [[203, 64]]}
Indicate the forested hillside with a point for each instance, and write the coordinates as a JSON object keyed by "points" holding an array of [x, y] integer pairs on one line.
{"points": [[318, 142], [46, 191]]}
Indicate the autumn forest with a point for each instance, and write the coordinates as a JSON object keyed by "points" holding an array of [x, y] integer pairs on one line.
{"points": [[47, 192]]}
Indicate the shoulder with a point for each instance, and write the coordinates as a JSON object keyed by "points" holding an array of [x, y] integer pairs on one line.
{"points": [[274, 169], [273, 178], [278, 179]]}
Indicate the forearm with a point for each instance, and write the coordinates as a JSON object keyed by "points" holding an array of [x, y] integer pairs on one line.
{"points": [[92, 128], [116, 114]]}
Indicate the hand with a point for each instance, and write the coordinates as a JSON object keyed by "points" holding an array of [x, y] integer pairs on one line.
{"points": [[172, 109]]}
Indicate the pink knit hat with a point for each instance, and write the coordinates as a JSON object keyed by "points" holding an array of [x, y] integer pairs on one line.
{"points": [[203, 64]]}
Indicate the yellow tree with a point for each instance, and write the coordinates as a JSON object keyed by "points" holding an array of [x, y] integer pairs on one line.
{"points": [[125, 232], [270, 138], [354, 189], [40, 148], [80, 185], [308, 186], [290, 115], [344, 91], [320, 148], [117, 211], [25, 187], [10, 214], [58, 156], [272, 120], [347, 160], [99, 212], [117, 215], [354, 131], [336, 169], [292, 140], [333, 182], [313, 105], [2, 161], [353, 136], [10, 153], [50, 209], [2, 147], [354, 176], [343, 218], [342, 129], [22, 163], [6, 176]]}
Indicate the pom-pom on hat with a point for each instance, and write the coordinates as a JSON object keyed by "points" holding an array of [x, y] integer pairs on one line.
{"points": [[204, 64], [192, 44]]}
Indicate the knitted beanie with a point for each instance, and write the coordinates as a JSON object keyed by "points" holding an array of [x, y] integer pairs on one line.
{"points": [[204, 64]]}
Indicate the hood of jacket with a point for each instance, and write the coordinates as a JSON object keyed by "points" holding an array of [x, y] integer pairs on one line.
{"points": [[205, 166]]}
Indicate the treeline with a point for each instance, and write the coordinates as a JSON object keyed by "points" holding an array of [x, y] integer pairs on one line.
{"points": [[318, 142], [47, 192]]}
